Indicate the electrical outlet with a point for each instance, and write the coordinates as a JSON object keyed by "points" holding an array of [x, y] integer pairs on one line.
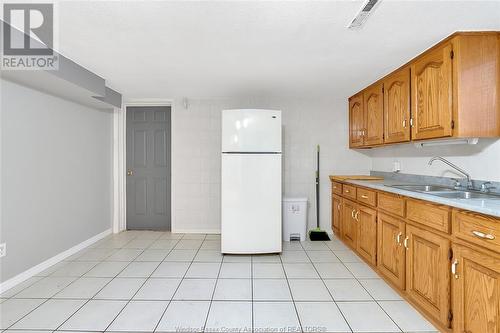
{"points": [[3, 250]]}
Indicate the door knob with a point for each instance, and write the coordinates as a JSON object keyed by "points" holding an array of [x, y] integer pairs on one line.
{"points": [[130, 172]]}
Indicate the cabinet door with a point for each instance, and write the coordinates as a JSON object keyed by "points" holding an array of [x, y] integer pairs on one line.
{"points": [[431, 79], [397, 106], [367, 233], [476, 291], [336, 214], [356, 121], [349, 231], [390, 251], [427, 272], [374, 115]]}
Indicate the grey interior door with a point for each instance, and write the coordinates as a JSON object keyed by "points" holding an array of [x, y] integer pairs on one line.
{"points": [[148, 167]]}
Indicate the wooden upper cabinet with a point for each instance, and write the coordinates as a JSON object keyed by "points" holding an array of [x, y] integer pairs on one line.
{"points": [[356, 121], [476, 84], [476, 291], [390, 250], [431, 95], [449, 91], [373, 100], [397, 106], [428, 272]]}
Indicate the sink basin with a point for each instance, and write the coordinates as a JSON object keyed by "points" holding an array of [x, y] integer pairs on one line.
{"points": [[465, 195], [423, 188], [446, 192]]}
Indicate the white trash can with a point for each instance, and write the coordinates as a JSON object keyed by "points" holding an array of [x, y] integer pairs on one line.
{"points": [[294, 219]]}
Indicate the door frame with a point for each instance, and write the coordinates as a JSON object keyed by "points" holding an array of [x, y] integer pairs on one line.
{"points": [[120, 160]]}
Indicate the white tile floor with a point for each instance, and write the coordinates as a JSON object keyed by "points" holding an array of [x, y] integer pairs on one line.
{"points": [[145, 281]]}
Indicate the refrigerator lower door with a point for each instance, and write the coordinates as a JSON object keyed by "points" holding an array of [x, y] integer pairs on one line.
{"points": [[251, 203]]}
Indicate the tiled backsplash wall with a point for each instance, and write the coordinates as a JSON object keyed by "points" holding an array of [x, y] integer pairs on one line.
{"points": [[306, 123]]}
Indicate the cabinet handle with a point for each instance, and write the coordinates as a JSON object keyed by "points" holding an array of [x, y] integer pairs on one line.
{"points": [[404, 123], [482, 235], [398, 238], [352, 213], [405, 243], [346, 191], [454, 269], [364, 196], [411, 122], [339, 207], [356, 216]]}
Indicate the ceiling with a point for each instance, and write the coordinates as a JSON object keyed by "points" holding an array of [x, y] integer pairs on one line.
{"points": [[208, 49]]}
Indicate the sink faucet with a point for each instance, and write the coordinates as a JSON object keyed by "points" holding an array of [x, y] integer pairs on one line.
{"points": [[462, 171]]}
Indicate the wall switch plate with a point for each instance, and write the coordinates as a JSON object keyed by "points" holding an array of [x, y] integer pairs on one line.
{"points": [[3, 250]]}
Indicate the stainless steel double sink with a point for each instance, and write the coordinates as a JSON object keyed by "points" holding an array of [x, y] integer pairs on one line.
{"points": [[447, 192]]}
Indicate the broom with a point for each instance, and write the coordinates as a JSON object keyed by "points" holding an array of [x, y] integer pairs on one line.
{"points": [[318, 234]]}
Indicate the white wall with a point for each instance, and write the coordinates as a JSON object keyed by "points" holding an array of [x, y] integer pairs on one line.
{"points": [[56, 176], [482, 161], [306, 123]]}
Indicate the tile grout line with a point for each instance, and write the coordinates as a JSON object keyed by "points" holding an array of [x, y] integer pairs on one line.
{"points": [[291, 294], [324, 284], [373, 298], [145, 280], [180, 282], [251, 291], [50, 298], [113, 278]]}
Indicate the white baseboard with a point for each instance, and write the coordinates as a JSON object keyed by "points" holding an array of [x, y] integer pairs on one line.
{"points": [[197, 231], [6, 285]]}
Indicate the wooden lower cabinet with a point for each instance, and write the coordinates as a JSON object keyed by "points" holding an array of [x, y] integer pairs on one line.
{"points": [[336, 214], [390, 249], [476, 291], [451, 274], [349, 227], [428, 272], [366, 246]]}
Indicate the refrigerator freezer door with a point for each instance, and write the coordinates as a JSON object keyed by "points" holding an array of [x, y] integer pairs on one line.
{"points": [[251, 203], [251, 130]]}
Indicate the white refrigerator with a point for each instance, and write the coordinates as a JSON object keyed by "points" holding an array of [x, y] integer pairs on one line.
{"points": [[251, 181]]}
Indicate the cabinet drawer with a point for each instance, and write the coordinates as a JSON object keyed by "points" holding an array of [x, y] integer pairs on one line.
{"points": [[336, 188], [349, 191], [431, 215], [366, 196], [478, 229], [391, 203]]}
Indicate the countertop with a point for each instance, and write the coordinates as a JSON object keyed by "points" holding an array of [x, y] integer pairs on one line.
{"points": [[484, 206]]}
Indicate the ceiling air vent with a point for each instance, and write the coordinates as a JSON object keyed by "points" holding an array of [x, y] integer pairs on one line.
{"points": [[360, 18]]}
